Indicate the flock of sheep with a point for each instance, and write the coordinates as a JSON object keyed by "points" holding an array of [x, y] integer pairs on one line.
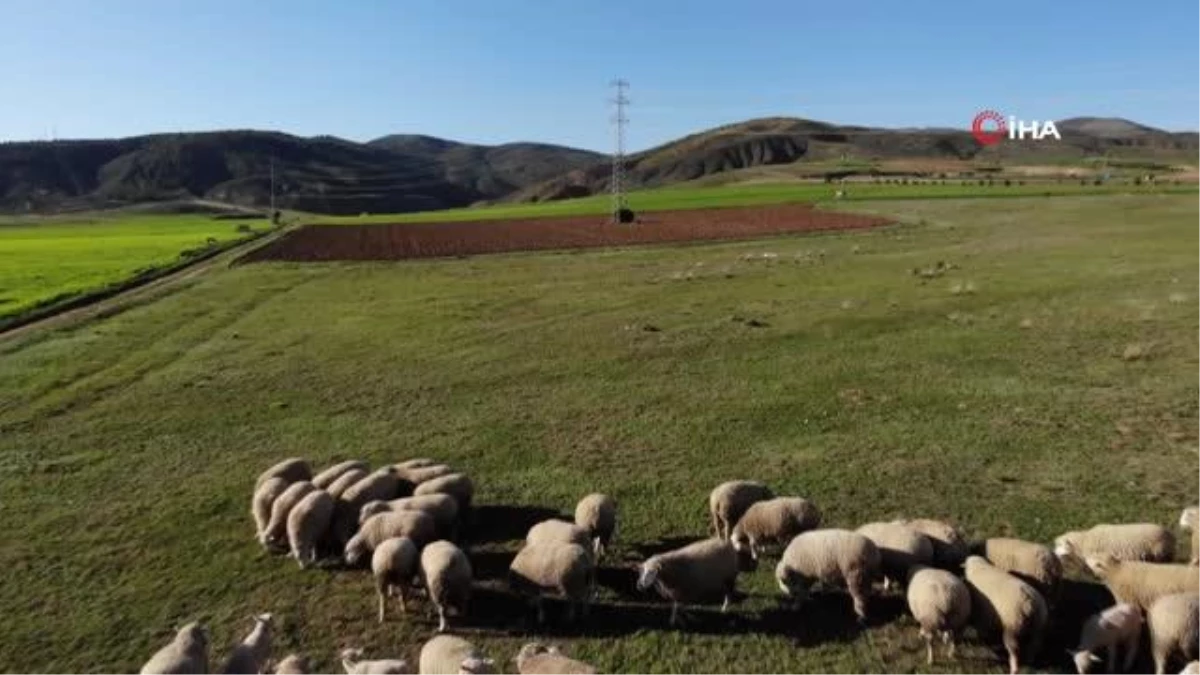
{"points": [[405, 519]]}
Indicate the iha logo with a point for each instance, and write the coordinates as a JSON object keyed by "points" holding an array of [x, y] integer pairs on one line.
{"points": [[990, 127]]}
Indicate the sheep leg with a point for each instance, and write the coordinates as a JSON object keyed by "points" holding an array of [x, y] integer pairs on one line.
{"points": [[1160, 662], [1131, 650], [928, 637], [725, 604], [1112, 658], [441, 619], [382, 605], [948, 639], [541, 611], [403, 601], [674, 613], [1013, 646]]}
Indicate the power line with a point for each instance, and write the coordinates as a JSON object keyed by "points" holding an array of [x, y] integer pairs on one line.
{"points": [[620, 204]]}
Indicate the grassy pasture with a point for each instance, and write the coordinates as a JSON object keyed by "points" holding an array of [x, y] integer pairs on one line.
{"points": [[995, 395]]}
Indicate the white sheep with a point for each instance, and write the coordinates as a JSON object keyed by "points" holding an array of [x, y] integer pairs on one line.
{"points": [[260, 504], [308, 525], [597, 513], [536, 658], [447, 573], [345, 481], [1003, 604], [1192, 668], [941, 604], [416, 525], [252, 653], [447, 654], [442, 507], [556, 531], [1032, 563], [699, 572], [1174, 622], [394, 565], [382, 484], [353, 664], [275, 533], [900, 549], [774, 521], [326, 478], [457, 485], [729, 501], [833, 557], [562, 569], [420, 474], [1190, 520], [1116, 627], [292, 469], [293, 664], [416, 463], [1146, 542], [187, 652], [950, 547], [1141, 583]]}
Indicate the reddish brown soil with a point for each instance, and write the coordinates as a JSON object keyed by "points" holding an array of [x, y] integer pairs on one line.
{"points": [[399, 241]]}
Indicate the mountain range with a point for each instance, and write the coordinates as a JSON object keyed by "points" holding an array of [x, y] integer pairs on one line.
{"points": [[407, 172]]}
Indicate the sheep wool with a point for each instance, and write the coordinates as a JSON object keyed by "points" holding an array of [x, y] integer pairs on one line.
{"points": [[834, 557], [1032, 563], [327, 476], [353, 664], [941, 604], [1146, 542], [1117, 627], [393, 565], [1141, 583], [1003, 604], [260, 504], [421, 474], [699, 572], [292, 469], [1174, 622], [457, 485], [1190, 520], [252, 653], [950, 547], [292, 664], [186, 653], [308, 525], [338, 487], [537, 658], [562, 569], [900, 548], [447, 573], [452, 655], [597, 513], [275, 533], [729, 501], [774, 521], [443, 508], [415, 525], [559, 532]]}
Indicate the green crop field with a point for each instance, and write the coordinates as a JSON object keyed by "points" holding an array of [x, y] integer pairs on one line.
{"points": [[1019, 366], [44, 261]]}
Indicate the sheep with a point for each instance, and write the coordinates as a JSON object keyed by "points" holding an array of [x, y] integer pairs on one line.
{"points": [[353, 664], [1147, 542], [420, 474], [1141, 583], [555, 531], [186, 653], [383, 484], [1192, 668], [696, 573], [775, 521], [729, 501], [252, 653], [308, 525], [260, 504], [447, 573], [950, 547], [393, 564], [343, 482], [834, 557], [900, 548], [292, 469], [292, 664], [457, 485], [416, 463], [1116, 627], [941, 604], [1174, 622], [326, 478], [1002, 603], [536, 658], [453, 655], [564, 569], [443, 508], [597, 513], [416, 525], [273, 536], [1190, 520], [1032, 563]]}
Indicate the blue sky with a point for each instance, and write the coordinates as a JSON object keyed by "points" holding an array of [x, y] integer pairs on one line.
{"points": [[493, 71]]}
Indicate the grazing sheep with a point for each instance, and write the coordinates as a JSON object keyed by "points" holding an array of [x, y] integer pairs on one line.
{"points": [[394, 565], [443, 508], [1141, 583], [344, 482], [383, 485], [420, 474], [186, 653], [597, 513], [417, 463], [457, 485], [275, 533], [1003, 604], [293, 664], [260, 505], [950, 547], [563, 569], [900, 548], [448, 574], [308, 525], [729, 501], [833, 557], [252, 653], [1032, 563], [699, 572], [1146, 542], [1116, 627], [559, 532], [353, 664], [1190, 520], [453, 655], [416, 525], [941, 604], [292, 469], [775, 521], [537, 658], [326, 478], [1192, 668], [1174, 622]]}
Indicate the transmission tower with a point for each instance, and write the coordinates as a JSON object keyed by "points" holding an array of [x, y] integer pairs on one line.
{"points": [[620, 205]]}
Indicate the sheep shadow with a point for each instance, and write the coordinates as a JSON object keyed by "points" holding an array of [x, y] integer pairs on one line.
{"points": [[1077, 601], [492, 523]]}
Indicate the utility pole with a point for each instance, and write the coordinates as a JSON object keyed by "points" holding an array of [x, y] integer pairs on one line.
{"points": [[273, 219], [620, 205]]}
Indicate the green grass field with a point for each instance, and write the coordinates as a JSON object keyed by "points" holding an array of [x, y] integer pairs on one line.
{"points": [[1002, 395], [43, 261]]}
